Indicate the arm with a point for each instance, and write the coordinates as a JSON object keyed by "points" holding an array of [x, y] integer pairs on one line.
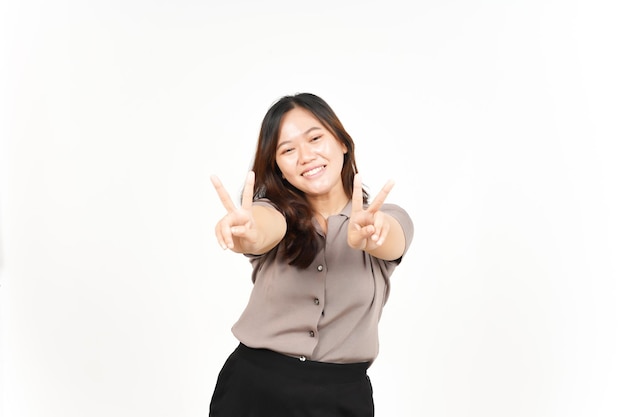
{"points": [[252, 229], [271, 228]]}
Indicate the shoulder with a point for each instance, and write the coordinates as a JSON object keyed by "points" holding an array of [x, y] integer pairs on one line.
{"points": [[398, 213], [265, 202], [391, 209], [403, 217]]}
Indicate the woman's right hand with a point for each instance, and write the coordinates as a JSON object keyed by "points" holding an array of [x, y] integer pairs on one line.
{"points": [[237, 229]]}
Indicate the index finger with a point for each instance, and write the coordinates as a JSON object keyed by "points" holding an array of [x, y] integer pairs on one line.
{"points": [[382, 195], [357, 193], [223, 194]]}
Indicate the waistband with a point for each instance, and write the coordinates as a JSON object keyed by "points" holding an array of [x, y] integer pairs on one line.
{"points": [[312, 371]]}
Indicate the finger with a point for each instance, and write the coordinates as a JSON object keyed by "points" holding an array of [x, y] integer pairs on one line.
{"points": [[239, 231], [368, 231], [248, 192], [361, 235], [221, 230], [223, 194], [377, 228], [227, 236], [380, 198], [382, 229], [357, 194], [382, 235]]}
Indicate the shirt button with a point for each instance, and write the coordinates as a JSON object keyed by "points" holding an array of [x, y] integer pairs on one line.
{"points": [[320, 268], [302, 358], [312, 333], [317, 301]]}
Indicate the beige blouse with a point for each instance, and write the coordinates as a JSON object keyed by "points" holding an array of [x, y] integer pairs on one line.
{"points": [[328, 312]]}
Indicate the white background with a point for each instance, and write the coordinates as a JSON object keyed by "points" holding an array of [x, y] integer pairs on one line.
{"points": [[501, 121]]}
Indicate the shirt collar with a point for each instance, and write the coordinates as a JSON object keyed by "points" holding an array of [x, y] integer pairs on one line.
{"points": [[345, 212], [347, 209]]}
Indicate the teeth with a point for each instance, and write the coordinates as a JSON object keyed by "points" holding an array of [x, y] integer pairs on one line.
{"points": [[312, 172]]}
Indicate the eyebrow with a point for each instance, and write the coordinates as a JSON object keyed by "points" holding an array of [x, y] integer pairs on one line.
{"points": [[309, 130]]}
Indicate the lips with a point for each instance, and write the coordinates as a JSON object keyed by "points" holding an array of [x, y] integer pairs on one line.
{"points": [[313, 171]]}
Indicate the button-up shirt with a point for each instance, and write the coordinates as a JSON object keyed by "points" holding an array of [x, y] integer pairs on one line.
{"points": [[327, 312]]}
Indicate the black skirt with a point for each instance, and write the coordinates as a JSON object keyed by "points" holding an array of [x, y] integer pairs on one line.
{"points": [[263, 383]]}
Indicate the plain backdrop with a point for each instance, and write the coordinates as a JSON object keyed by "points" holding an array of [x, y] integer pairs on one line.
{"points": [[502, 123]]}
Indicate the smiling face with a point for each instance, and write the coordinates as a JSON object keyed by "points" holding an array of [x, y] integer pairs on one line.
{"points": [[309, 156]]}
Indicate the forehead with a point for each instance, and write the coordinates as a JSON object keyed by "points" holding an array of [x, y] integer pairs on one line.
{"points": [[297, 122]]}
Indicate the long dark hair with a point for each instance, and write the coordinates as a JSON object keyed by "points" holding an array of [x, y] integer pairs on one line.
{"points": [[300, 241]]}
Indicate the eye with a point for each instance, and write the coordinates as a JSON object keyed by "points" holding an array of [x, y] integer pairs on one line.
{"points": [[316, 138], [286, 151]]}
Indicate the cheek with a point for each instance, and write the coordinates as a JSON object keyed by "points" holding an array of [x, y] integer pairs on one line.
{"points": [[334, 148], [283, 165]]}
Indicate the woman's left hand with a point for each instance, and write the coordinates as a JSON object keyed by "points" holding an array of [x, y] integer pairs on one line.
{"points": [[369, 227]]}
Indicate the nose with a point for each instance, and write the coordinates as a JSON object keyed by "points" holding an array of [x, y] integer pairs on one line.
{"points": [[306, 153]]}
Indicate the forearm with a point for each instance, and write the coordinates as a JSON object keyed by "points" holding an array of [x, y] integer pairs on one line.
{"points": [[270, 229]]}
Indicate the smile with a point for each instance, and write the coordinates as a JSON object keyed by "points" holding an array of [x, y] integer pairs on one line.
{"points": [[313, 171]]}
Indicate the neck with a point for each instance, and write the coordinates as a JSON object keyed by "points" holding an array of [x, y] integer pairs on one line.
{"points": [[328, 207]]}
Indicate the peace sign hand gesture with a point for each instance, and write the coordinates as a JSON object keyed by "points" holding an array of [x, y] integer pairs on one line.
{"points": [[238, 228], [371, 230]]}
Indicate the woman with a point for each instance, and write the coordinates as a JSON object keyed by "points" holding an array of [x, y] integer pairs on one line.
{"points": [[321, 256]]}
